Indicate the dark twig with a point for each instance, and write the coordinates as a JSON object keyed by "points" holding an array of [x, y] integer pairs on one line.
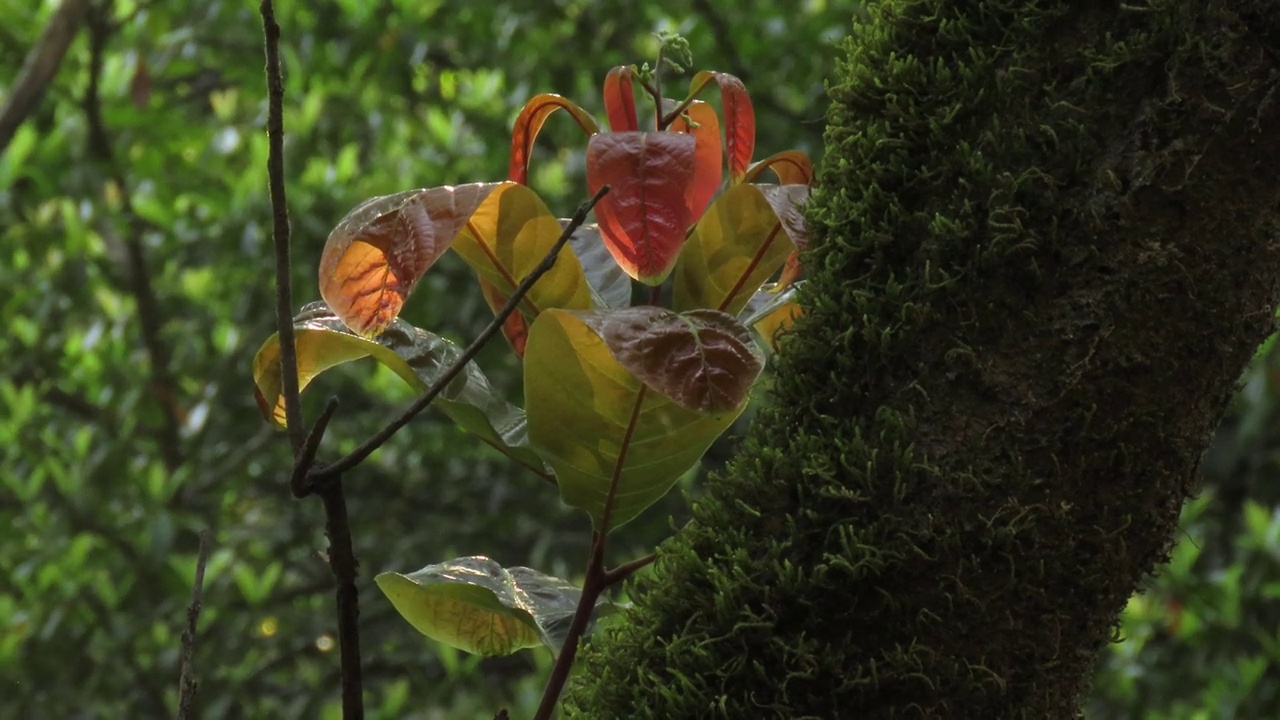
{"points": [[367, 448], [186, 673], [342, 560], [40, 67], [280, 228], [307, 455], [591, 589], [627, 569]]}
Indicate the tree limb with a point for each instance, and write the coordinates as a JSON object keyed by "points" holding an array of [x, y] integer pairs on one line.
{"points": [[40, 67]]}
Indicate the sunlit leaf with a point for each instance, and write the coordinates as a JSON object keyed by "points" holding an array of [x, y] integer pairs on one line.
{"points": [[379, 251], [530, 121], [630, 399], [708, 162], [739, 118], [644, 217], [476, 605], [610, 287], [507, 236], [515, 329], [792, 167], [740, 242], [417, 356], [620, 100]]}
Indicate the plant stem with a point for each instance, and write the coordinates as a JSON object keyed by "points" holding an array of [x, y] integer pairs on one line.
{"points": [[186, 673], [591, 589], [342, 561]]}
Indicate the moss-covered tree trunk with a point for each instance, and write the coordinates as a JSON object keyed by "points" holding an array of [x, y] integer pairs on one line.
{"points": [[1047, 243]]}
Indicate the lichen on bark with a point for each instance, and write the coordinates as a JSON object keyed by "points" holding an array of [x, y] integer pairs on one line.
{"points": [[1047, 242]]}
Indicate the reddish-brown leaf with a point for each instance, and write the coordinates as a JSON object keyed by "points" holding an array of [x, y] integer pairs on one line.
{"points": [[792, 167], [704, 360], [377, 253], [708, 155], [644, 217], [619, 100], [530, 122], [140, 85], [739, 118]]}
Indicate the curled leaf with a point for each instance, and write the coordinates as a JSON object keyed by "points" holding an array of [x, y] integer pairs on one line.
{"points": [[792, 167], [644, 217], [620, 100], [378, 252], [739, 118], [708, 155], [529, 122]]}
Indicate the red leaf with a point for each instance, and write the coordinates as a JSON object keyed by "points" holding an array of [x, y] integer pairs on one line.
{"points": [[644, 217], [619, 101], [530, 122], [739, 118], [708, 156], [792, 167], [377, 253], [514, 328], [140, 85]]}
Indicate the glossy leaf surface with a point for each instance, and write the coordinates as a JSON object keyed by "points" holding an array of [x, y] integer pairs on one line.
{"points": [[377, 253], [628, 400], [417, 356], [739, 243], [610, 286], [529, 123], [620, 100], [739, 118], [476, 605], [644, 217], [708, 154], [507, 236]]}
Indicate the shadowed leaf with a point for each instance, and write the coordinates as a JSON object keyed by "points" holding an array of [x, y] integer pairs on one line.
{"points": [[515, 329], [771, 311], [417, 356], [600, 426], [610, 287], [644, 217], [529, 123], [378, 252]]}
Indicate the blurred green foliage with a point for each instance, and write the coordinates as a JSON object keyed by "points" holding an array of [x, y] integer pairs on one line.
{"points": [[135, 261]]}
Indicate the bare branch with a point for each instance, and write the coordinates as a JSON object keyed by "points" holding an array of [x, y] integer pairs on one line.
{"points": [[186, 673], [40, 67], [342, 560]]}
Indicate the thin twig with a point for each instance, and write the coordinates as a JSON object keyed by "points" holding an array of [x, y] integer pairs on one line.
{"points": [[367, 448], [307, 455], [627, 569], [280, 228], [342, 560], [40, 67], [186, 673]]}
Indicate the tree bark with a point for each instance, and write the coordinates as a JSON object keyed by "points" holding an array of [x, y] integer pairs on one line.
{"points": [[1047, 243]]}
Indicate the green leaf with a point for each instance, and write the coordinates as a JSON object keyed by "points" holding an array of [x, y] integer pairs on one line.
{"points": [[744, 238], [507, 236], [417, 356], [476, 605], [623, 402], [772, 311]]}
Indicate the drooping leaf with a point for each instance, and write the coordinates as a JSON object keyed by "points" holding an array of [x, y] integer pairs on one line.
{"points": [[771, 311], [476, 605], [610, 287], [417, 356], [792, 167], [644, 217], [378, 252], [529, 123], [515, 329], [708, 155], [739, 118], [507, 236], [630, 399], [739, 243], [620, 100]]}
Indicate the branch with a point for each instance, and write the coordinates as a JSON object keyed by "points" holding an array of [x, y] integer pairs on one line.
{"points": [[40, 67], [358, 455], [187, 682], [280, 228], [342, 560], [626, 570]]}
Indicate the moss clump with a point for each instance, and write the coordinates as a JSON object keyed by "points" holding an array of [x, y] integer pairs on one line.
{"points": [[1046, 245]]}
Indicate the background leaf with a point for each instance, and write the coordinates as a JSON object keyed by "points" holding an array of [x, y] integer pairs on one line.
{"points": [[644, 217], [597, 424], [378, 252]]}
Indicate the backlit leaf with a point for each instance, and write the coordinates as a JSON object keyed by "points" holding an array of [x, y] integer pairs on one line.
{"points": [[530, 121], [644, 217], [507, 236], [792, 167], [476, 605], [739, 118], [417, 356], [620, 100], [739, 243], [610, 287], [628, 400], [708, 162], [378, 252]]}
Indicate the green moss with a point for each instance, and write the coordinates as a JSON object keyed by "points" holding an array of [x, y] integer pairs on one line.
{"points": [[1043, 252]]}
